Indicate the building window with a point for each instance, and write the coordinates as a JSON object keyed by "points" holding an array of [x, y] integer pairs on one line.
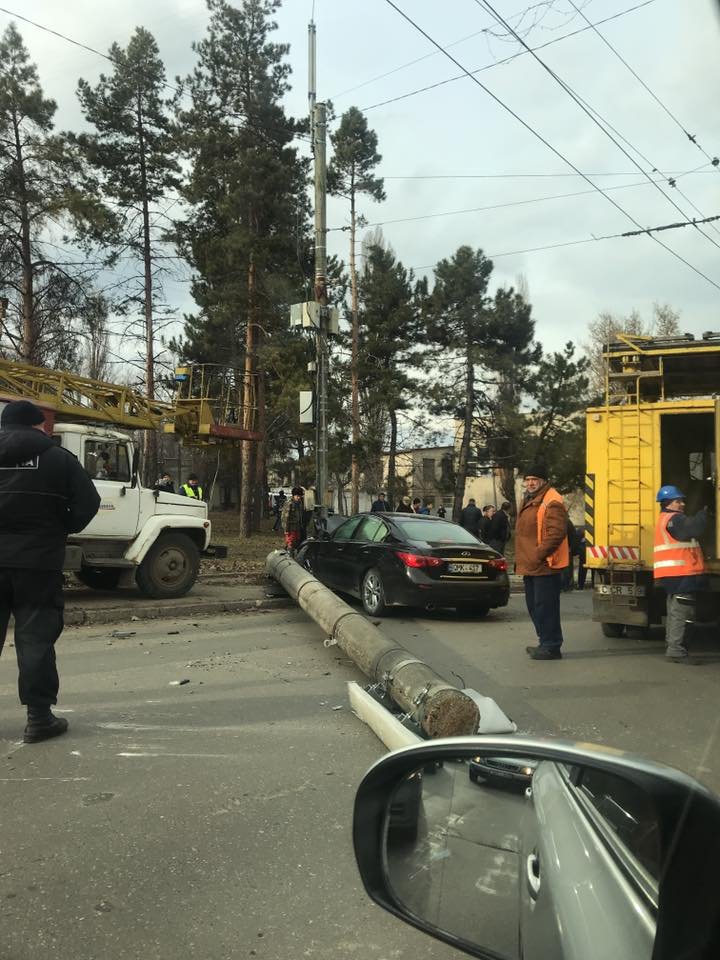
{"points": [[428, 467]]}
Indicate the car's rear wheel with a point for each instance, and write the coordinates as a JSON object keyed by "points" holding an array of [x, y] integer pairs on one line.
{"points": [[612, 629], [373, 594]]}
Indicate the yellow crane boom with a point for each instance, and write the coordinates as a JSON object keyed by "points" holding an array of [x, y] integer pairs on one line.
{"points": [[206, 407]]}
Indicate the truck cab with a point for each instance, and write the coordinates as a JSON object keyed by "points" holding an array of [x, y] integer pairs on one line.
{"points": [[139, 536]]}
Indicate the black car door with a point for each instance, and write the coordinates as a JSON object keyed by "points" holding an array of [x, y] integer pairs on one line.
{"points": [[332, 553], [364, 551]]}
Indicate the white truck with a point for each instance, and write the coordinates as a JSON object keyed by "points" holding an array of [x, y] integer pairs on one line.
{"points": [[142, 537], [139, 536]]}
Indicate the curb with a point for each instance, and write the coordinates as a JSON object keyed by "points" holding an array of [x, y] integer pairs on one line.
{"points": [[80, 617]]}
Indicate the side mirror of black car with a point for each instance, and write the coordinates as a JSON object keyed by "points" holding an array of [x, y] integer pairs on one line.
{"points": [[543, 850]]}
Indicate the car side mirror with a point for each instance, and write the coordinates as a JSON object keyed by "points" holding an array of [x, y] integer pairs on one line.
{"points": [[507, 847]]}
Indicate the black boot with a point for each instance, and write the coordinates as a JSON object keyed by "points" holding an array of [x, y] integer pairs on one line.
{"points": [[42, 724]]}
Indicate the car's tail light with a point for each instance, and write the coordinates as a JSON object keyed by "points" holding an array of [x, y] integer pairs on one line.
{"points": [[498, 563], [418, 560]]}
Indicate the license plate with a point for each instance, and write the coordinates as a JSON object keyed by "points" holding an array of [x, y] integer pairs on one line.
{"points": [[465, 568], [620, 590]]}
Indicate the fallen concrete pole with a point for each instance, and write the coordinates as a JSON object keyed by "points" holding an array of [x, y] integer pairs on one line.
{"points": [[441, 709]]}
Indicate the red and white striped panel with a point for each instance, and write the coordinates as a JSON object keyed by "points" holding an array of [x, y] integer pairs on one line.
{"points": [[614, 553]]}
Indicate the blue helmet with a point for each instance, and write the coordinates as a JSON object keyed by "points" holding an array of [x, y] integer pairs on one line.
{"points": [[669, 492]]}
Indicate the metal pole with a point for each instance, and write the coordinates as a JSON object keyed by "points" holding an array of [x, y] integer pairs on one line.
{"points": [[319, 127], [312, 61]]}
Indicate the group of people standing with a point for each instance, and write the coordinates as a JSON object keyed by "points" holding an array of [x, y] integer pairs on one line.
{"points": [[490, 525], [406, 505]]}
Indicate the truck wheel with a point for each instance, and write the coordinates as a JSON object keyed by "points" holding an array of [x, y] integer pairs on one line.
{"points": [[99, 579], [170, 567], [613, 629]]}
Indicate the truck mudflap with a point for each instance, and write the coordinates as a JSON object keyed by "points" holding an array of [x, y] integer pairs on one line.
{"points": [[216, 550]]}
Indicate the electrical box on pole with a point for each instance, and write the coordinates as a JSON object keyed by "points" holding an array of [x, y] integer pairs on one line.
{"points": [[307, 407]]}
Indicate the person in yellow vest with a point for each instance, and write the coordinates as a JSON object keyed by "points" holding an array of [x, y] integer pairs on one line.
{"points": [[678, 566], [541, 554], [191, 488]]}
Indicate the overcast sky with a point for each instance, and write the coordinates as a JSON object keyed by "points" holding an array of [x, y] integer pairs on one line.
{"points": [[457, 132]]}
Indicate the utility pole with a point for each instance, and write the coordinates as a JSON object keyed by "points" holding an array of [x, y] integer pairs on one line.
{"points": [[318, 127], [321, 337]]}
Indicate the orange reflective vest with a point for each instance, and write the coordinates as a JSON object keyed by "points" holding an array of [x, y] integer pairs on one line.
{"points": [[561, 557], [675, 558]]}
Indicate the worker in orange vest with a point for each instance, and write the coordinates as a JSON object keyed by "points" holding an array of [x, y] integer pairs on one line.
{"points": [[678, 566], [541, 554]]}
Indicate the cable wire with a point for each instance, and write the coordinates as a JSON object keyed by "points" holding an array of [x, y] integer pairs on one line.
{"points": [[715, 161], [596, 118], [495, 206], [576, 243], [547, 143], [499, 63]]}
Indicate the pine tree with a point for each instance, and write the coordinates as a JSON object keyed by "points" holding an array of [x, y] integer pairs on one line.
{"points": [[459, 316], [350, 175], [245, 235], [134, 151], [42, 185], [389, 349]]}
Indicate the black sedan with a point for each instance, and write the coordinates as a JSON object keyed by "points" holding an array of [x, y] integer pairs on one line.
{"points": [[410, 560]]}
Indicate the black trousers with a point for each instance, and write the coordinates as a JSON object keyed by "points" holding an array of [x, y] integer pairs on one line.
{"points": [[542, 596], [35, 599]]}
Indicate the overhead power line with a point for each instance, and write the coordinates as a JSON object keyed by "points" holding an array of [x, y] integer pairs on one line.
{"points": [[715, 161], [496, 206], [547, 143], [584, 240], [604, 125], [499, 63], [545, 4], [675, 174]]}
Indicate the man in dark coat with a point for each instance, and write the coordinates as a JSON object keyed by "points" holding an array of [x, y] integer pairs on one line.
{"points": [[380, 505], [44, 495], [498, 529], [471, 518]]}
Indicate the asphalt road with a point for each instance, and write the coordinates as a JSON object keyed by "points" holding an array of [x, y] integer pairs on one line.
{"points": [[213, 819], [618, 692], [207, 820]]}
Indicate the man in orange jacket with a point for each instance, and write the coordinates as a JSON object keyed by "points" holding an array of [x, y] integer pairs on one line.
{"points": [[541, 554], [679, 566]]}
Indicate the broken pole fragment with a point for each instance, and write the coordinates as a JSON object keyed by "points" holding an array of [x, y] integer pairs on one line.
{"points": [[441, 709]]}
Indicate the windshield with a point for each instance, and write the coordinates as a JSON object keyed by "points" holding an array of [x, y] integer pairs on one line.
{"points": [[435, 531]]}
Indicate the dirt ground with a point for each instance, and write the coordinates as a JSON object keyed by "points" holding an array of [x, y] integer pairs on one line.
{"points": [[246, 557]]}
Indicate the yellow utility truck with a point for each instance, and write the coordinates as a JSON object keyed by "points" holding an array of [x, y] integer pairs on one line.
{"points": [[659, 424]]}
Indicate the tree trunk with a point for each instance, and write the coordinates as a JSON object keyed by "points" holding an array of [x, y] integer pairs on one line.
{"points": [[354, 379], [507, 488], [149, 437], [391, 497], [260, 457], [249, 401], [28, 343], [461, 473]]}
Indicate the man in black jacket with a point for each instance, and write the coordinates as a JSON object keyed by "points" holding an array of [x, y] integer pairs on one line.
{"points": [[44, 495], [471, 518], [498, 529]]}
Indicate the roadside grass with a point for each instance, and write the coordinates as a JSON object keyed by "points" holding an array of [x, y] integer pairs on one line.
{"points": [[246, 556]]}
